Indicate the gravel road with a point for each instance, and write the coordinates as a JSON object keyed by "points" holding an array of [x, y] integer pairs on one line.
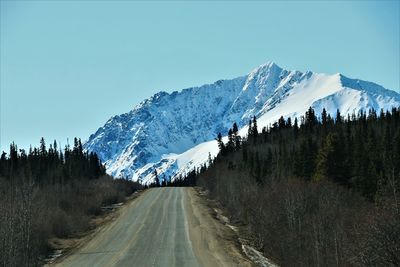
{"points": [[162, 227]]}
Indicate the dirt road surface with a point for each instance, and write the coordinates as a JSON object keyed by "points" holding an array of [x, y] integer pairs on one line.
{"points": [[163, 227]]}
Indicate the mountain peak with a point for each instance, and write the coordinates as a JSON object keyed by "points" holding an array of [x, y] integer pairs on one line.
{"points": [[173, 133], [269, 65]]}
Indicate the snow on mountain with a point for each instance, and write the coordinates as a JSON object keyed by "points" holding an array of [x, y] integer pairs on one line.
{"points": [[173, 133]]}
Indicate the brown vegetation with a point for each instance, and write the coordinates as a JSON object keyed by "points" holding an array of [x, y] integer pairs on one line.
{"points": [[46, 195], [323, 194]]}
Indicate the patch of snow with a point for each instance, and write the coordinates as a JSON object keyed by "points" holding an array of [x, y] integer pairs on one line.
{"points": [[254, 255], [257, 257], [174, 133]]}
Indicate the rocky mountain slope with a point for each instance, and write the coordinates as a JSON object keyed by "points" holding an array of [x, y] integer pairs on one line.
{"points": [[174, 132]]}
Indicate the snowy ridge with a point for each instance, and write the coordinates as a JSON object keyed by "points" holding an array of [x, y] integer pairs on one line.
{"points": [[174, 132]]}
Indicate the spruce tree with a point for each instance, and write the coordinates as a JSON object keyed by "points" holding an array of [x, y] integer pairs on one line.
{"points": [[231, 141], [331, 160], [42, 149], [236, 136], [324, 117], [250, 130], [221, 144], [255, 128]]}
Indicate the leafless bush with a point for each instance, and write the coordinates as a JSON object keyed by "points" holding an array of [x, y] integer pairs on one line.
{"points": [[299, 223], [30, 214]]}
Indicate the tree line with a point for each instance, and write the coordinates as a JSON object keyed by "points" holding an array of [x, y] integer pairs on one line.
{"points": [[314, 191], [45, 166], [49, 193], [189, 179]]}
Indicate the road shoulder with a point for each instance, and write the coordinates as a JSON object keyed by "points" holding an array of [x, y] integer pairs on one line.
{"points": [[214, 243], [64, 247]]}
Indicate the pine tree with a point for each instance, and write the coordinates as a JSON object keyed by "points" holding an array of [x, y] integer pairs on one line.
{"points": [[295, 128], [236, 136], [231, 141], [250, 130], [289, 123], [338, 117], [42, 149], [255, 128], [156, 179], [281, 123], [305, 159], [221, 144], [310, 119], [331, 160], [324, 117]]}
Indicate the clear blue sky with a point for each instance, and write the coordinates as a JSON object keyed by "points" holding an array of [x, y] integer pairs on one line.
{"points": [[68, 66]]}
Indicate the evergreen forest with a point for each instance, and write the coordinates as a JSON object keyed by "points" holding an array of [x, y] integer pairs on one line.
{"points": [[49, 194], [319, 191]]}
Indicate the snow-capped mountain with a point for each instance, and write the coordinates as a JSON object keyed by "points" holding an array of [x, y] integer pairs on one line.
{"points": [[174, 132]]}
